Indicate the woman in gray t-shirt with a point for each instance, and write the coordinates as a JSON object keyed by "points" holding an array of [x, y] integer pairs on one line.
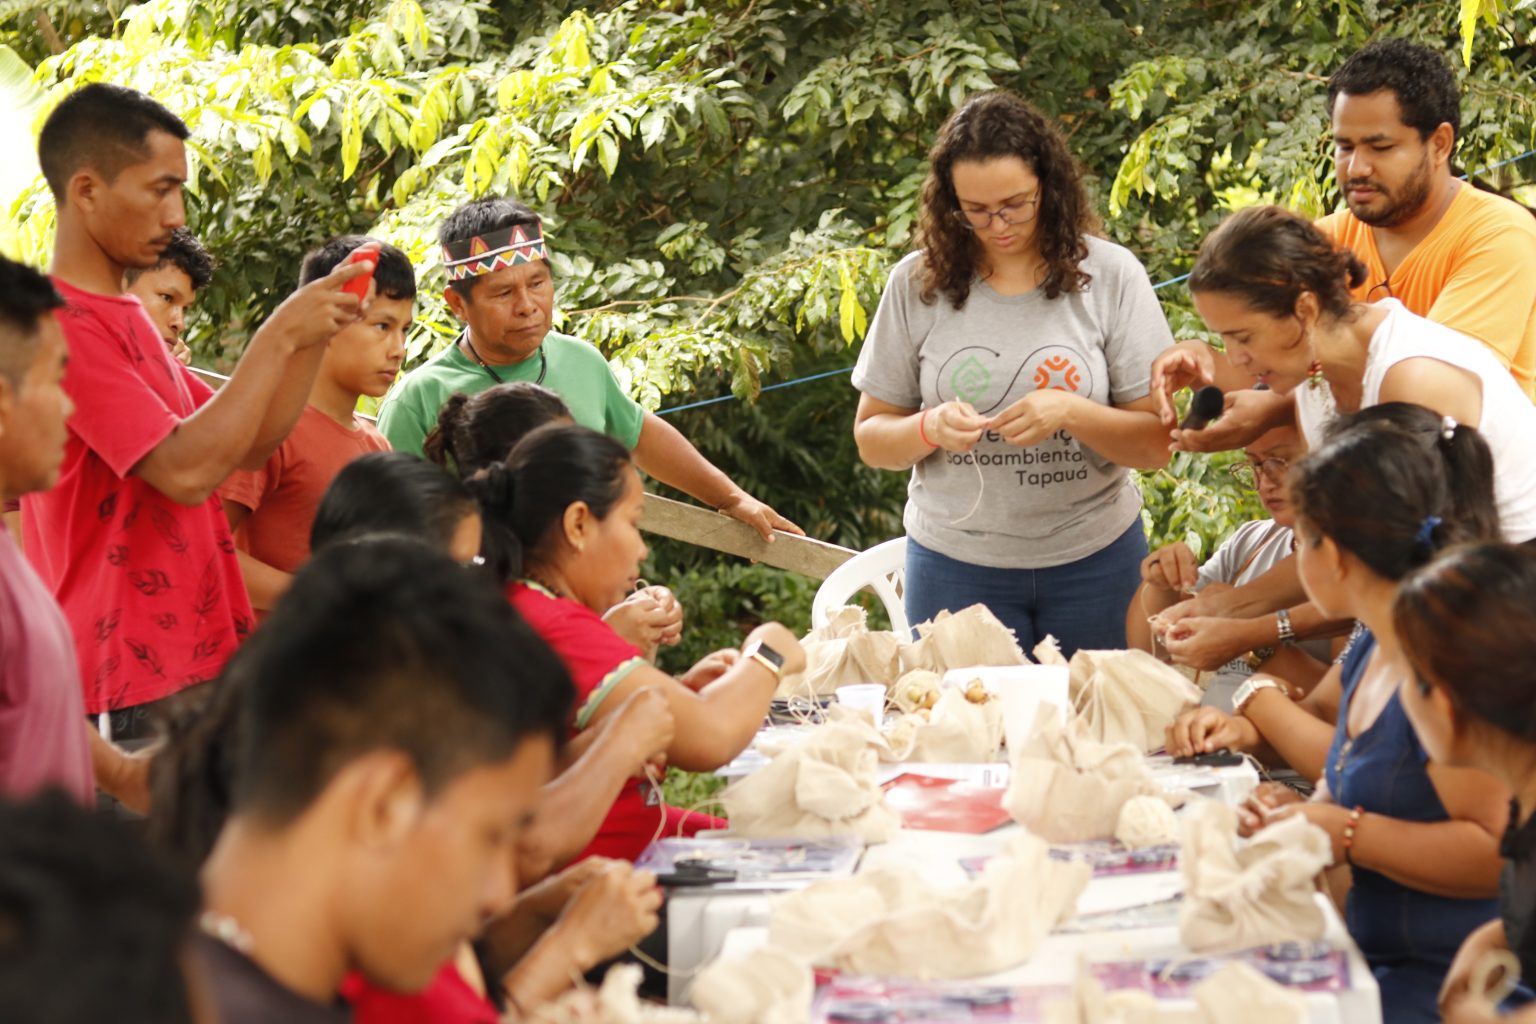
{"points": [[1007, 366]]}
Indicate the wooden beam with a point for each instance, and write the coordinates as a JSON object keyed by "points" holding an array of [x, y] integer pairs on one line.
{"points": [[710, 529]]}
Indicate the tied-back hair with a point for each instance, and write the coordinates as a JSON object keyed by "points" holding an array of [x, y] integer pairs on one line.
{"points": [[523, 499], [1269, 256], [991, 126], [474, 431], [1391, 488], [1467, 623]]}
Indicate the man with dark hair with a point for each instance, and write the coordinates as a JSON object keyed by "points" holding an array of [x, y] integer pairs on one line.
{"points": [[168, 288], [396, 721], [93, 927], [131, 540], [500, 285], [272, 509], [1445, 249]]}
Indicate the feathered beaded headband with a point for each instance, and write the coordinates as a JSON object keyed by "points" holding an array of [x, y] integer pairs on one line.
{"points": [[482, 254]]}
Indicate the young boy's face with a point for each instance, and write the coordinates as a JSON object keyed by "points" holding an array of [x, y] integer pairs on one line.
{"points": [[365, 357], [434, 890], [166, 292], [32, 443]]}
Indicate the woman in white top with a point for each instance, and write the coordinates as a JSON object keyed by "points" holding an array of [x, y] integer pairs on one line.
{"points": [[1278, 292]]}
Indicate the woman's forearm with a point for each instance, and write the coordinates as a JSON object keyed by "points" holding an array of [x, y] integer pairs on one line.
{"points": [[583, 794], [1457, 859], [1296, 736], [892, 440]]}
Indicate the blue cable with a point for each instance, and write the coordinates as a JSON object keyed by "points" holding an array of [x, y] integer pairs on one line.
{"points": [[849, 369]]}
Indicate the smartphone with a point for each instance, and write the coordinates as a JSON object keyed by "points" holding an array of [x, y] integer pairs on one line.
{"points": [[368, 253]]}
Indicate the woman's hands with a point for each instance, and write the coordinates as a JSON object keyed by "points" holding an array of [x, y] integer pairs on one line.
{"points": [[1172, 567], [709, 668], [1266, 798], [649, 618], [1203, 730], [612, 910], [954, 426]]}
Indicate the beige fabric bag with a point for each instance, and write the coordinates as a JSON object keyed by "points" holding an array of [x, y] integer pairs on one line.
{"points": [[825, 785], [970, 637], [1128, 696], [1068, 788], [770, 987], [916, 690], [1242, 894], [1236, 993], [893, 922], [844, 652], [1239, 993], [955, 731]]}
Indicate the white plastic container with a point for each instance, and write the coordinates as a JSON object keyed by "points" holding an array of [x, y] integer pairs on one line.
{"points": [[866, 697]]}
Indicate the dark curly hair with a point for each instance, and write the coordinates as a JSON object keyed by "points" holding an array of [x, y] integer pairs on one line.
{"points": [[1420, 78], [990, 126]]}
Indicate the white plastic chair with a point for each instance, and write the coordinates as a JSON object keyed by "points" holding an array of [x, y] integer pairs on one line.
{"points": [[880, 569]]}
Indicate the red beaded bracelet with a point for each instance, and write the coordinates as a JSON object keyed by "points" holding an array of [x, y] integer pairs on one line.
{"points": [[921, 422], [1349, 833]]}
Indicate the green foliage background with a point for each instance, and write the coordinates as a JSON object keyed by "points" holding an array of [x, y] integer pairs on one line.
{"points": [[726, 182]]}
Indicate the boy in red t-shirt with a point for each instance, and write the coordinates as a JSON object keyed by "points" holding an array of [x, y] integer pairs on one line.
{"points": [[131, 540], [272, 509]]}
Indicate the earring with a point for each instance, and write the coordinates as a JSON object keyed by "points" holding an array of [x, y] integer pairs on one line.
{"points": [[1315, 378]]}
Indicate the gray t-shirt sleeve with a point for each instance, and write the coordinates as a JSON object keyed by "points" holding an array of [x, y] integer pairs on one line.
{"points": [[1136, 330], [887, 367]]}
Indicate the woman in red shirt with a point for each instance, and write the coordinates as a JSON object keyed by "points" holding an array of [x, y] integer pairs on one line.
{"points": [[562, 527]]}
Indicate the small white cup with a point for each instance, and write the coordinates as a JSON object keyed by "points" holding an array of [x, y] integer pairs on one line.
{"points": [[866, 697], [1023, 689]]}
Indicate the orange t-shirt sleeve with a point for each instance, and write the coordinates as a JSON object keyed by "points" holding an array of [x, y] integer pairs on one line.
{"points": [[1492, 293]]}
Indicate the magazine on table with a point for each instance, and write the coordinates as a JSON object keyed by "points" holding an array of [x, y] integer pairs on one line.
{"points": [[727, 863]]}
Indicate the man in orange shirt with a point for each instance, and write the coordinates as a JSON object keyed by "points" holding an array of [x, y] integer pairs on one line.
{"points": [[1446, 250]]}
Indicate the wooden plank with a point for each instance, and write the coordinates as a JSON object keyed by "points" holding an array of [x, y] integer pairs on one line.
{"points": [[710, 529], [707, 528]]}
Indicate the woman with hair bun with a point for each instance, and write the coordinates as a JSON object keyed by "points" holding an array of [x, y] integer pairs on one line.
{"points": [[1277, 290], [1008, 368], [1468, 628], [561, 519]]}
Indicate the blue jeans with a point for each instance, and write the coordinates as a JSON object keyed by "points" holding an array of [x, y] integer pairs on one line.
{"points": [[1082, 604]]}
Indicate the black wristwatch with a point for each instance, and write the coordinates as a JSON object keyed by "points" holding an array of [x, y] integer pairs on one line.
{"points": [[765, 656]]}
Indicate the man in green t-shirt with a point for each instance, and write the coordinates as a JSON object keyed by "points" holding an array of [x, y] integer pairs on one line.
{"points": [[500, 286]]}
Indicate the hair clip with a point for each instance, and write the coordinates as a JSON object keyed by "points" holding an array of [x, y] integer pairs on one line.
{"points": [[1448, 427], [1425, 538]]}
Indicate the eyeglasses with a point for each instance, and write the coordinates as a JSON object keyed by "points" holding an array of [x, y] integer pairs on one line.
{"points": [[1021, 212], [1385, 288], [1247, 472]]}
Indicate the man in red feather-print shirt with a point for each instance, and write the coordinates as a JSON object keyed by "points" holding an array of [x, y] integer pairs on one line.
{"points": [[132, 540]]}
